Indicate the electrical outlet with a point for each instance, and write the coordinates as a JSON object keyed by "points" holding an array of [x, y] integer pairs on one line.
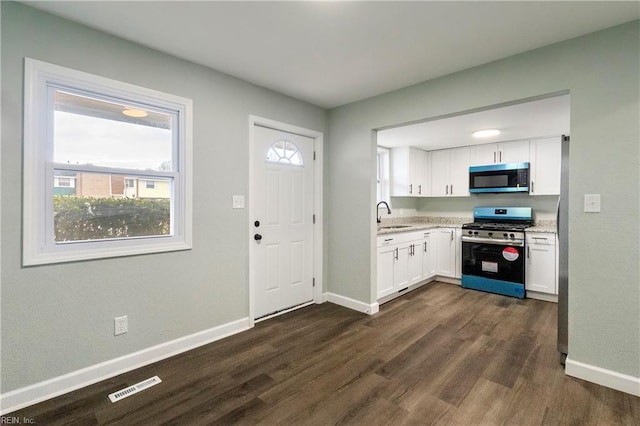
{"points": [[592, 203], [121, 325], [238, 202]]}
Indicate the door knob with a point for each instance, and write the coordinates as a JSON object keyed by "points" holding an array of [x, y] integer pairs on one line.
{"points": [[257, 237]]}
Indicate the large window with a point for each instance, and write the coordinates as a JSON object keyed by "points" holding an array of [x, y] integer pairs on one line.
{"points": [[107, 167]]}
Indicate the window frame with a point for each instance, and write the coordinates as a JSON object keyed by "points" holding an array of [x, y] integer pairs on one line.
{"points": [[383, 174], [38, 167]]}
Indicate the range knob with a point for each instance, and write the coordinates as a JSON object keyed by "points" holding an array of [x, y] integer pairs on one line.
{"points": [[475, 233], [512, 236], [470, 232], [490, 234], [505, 235]]}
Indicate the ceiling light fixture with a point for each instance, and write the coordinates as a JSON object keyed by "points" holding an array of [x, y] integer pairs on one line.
{"points": [[486, 133], [136, 113]]}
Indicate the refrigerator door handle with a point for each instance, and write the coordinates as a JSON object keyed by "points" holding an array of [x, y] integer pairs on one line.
{"points": [[558, 218]]}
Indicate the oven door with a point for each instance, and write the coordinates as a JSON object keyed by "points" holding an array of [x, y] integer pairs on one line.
{"points": [[493, 265]]}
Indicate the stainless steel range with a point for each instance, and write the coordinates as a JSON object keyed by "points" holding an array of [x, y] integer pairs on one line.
{"points": [[493, 250]]}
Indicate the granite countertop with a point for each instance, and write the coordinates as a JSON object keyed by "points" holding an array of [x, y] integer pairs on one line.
{"points": [[546, 226], [418, 223]]}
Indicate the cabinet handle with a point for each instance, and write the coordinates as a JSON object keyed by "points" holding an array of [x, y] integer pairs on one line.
{"points": [[425, 246], [396, 256], [528, 253], [419, 189], [532, 187], [451, 235], [451, 189], [501, 156], [494, 156], [410, 188], [447, 187]]}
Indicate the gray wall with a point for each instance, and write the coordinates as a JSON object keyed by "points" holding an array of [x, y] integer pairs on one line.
{"points": [[59, 318], [601, 72]]}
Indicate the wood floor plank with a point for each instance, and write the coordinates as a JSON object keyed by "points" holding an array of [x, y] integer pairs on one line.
{"points": [[439, 355]]}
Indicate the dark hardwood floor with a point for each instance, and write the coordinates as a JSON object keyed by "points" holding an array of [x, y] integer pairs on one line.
{"points": [[438, 355]]}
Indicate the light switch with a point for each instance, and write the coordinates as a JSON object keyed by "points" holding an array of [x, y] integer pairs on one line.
{"points": [[238, 201], [592, 203]]}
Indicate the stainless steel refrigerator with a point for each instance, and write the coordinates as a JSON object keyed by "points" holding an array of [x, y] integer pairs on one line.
{"points": [[562, 226]]}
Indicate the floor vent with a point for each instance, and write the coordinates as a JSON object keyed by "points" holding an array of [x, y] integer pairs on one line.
{"points": [[138, 387]]}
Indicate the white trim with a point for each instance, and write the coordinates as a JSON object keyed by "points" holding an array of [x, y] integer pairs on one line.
{"points": [[350, 303], [29, 395], [546, 297], [318, 233], [284, 311], [601, 376]]}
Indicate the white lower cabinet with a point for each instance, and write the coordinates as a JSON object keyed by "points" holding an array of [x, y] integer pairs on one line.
{"points": [[399, 262], [386, 261], [446, 252], [540, 268], [428, 255], [408, 258]]}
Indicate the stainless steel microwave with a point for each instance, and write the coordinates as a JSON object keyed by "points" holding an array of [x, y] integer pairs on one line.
{"points": [[493, 178]]}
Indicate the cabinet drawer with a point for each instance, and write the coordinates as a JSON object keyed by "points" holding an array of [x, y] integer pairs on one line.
{"points": [[403, 237], [386, 240], [541, 239]]}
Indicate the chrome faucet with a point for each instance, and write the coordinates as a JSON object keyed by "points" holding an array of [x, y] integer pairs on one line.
{"points": [[378, 208]]}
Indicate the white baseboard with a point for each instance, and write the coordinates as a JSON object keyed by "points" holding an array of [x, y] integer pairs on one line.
{"points": [[350, 303], [600, 376], [542, 296], [29, 395]]}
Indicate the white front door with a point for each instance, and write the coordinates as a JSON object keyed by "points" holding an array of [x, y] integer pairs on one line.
{"points": [[282, 226]]}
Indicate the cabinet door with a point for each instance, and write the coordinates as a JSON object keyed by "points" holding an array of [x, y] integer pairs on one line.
{"points": [[459, 172], [458, 252], [440, 173], [426, 176], [540, 269], [419, 175], [484, 154], [401, 267], [513, 152], [428, 255], [415, 262], [386, 276], [400, 165], [546, 162], [445, 252]]}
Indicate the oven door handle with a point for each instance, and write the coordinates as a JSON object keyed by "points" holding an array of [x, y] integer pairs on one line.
{"points": [[516, 243]]}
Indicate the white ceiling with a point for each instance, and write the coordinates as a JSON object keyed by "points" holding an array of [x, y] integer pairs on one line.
{"points": [[539, 118], [330, 53]]}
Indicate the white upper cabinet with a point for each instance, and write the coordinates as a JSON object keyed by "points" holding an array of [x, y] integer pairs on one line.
{"points": [[450, 172], [506, 152], [410, 172], [546, 163]]}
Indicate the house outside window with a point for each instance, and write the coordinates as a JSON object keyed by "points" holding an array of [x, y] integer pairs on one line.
{"points": [[99, 136]]}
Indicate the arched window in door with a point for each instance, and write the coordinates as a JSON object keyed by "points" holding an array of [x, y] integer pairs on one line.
{"points": [[284, 152]]}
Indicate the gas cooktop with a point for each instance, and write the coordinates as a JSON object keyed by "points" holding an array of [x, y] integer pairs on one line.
{"points": [[500, 219], [497, 226]]}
